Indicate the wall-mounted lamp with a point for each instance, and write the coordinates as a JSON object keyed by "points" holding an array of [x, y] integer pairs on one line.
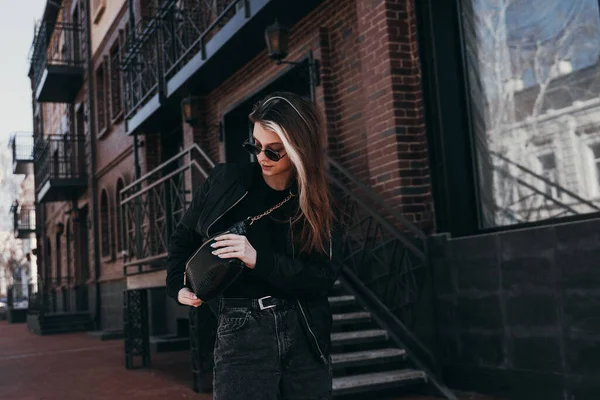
{"points": [[74, 214], [277, 37], [60, 228], [189, 109]]}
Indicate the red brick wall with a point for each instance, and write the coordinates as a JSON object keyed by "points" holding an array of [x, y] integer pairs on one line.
{"points": [[370, 94]]}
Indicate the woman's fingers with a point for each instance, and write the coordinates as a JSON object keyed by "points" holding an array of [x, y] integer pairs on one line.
{"points": [[229, 236], [226, 243], [229, 250]]}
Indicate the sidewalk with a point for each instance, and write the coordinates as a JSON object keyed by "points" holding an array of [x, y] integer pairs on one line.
{"points": [[76, 366]]}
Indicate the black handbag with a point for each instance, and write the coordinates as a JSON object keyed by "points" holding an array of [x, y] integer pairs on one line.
{"points": [[207, 274]]}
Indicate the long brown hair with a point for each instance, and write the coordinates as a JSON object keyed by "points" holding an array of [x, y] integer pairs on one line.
{"points": [[299, 125]]}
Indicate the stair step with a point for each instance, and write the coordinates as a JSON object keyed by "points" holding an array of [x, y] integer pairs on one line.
{"points": [[354, 337], [351, 318], [376, 381], [342, 300], [354, 359]]}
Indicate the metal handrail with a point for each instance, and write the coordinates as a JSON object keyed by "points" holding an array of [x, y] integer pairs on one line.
{"points": [[23, 217], [168, 12], [49, 35], [380, 208], [142, 189], [546, 181], [67, 162]]}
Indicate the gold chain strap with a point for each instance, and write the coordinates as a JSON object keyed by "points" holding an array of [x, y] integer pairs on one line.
{"points": [[270, 210]]}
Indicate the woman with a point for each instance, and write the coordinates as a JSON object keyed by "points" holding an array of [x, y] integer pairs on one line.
{"points": [[274, 324]]}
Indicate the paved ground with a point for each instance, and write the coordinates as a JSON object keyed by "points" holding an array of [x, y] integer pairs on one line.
{"points": [[76, 366]]}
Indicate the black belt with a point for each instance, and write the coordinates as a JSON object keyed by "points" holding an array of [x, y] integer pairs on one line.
{"points": [[256, 304]]}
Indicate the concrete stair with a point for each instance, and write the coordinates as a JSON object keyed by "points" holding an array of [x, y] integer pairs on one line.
{"points": [[365, 361]]}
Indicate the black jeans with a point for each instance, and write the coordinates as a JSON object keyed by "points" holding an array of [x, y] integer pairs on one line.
{"points": [[265, 355]]}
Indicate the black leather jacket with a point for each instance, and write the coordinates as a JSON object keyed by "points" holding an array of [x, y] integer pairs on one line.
{"points": [[308, 277]]}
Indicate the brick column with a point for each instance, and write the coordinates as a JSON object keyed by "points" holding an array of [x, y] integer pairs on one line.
{"points": [[393, 106]]}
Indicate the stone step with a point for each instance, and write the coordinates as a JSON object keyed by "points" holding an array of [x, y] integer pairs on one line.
{"points": [[369, 357], [351, 318], [358, 337], [342, 300], [376, 381]]}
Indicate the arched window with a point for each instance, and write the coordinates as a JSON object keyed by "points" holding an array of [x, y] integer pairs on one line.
{"points": [[119, 216], [104, 225]]}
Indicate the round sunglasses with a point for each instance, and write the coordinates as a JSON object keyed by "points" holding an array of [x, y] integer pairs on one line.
{"points": [[255, 150]]}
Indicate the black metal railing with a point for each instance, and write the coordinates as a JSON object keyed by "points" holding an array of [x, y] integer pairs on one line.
{"points": [[382, 248], [154, 204], [186, 30], [533, 197], [56, 44], [59, 157], [141, 66], [166, 39], [23, 217], [22, 147]]}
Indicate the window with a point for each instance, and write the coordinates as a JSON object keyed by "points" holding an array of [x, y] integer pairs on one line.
{"points": [[104, 225], [101, 98], [533, 76], [119, 216], [115, 81]]}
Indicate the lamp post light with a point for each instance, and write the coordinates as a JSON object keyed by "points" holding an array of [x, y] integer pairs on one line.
{"points": [[277, 38], [189, 109]]}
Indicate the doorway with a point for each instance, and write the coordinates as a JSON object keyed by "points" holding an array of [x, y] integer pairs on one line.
{"points": [[237, 127]]}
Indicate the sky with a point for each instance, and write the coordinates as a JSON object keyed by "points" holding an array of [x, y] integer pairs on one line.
{"points": [[16, 34]]}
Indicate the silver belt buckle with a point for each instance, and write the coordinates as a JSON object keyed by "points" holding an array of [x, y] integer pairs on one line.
{"points": [[260, 303]]}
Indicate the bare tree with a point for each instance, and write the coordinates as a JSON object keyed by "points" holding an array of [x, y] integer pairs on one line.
{"points": [[519, 73]]}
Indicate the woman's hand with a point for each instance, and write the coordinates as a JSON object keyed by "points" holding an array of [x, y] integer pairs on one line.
{"points": [[235, 246], [187, 297]]}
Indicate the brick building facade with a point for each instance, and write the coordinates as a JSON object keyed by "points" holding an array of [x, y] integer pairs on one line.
{"points": [[400, 83]]}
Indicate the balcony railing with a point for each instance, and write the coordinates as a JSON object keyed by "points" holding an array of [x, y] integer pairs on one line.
{"points": [[57, 61], [23, 220], [185, 31], [166, 40], [22, 153], [153, 205], [59, 166], [141, 66]]}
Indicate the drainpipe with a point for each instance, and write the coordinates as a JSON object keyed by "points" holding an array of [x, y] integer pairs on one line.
{"points": [[92, 178]]}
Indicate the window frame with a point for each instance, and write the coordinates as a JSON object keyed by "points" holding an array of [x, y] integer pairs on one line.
{"points": [[100, 132], [450, 121]]}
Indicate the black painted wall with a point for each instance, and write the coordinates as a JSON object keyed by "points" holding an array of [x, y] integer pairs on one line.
{"points": [[518, 312]]}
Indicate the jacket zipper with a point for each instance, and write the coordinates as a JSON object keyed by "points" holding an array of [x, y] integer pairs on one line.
{"points": [[210, 226], [312, 333], [226, 211], [300, 305]]}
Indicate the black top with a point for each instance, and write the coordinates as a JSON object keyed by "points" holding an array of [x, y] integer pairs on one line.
{"points": [[269, 233]]}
